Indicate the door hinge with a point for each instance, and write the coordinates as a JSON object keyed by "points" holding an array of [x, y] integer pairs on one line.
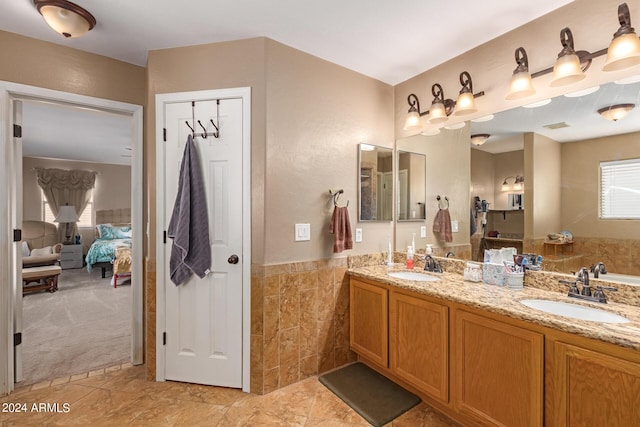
{"points": [[17, 235], [164, 134], [164, 236], [17, 339], [164, 338], [17, 131]]}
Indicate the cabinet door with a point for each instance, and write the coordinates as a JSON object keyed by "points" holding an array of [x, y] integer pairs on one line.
{"points": [[593, 389], [369, 322], [498, 371], [419, 344]]}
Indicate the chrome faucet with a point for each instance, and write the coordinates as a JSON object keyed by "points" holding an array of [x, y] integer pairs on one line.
{"points": [[575, 292], [598, 269], [449, 254], [431, 264], [583, 277]]}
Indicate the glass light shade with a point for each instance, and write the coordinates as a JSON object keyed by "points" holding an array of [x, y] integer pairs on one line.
{"points": [[623, 52], [465, 104], [520, 86], [505, 186], [616, 112], [65, 21], [517, 186], [479, 139], [413, 121], [567, 70], [437, 113]]}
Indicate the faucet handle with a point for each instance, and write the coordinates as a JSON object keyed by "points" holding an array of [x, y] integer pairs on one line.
{"points": [[573, 286], [599, 293]]}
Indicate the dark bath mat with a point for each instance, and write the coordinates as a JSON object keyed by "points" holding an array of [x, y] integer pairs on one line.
{"points": [[376, 398]]}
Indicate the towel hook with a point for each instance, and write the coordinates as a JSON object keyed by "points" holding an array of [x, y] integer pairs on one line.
{"points": [[441, 204]]}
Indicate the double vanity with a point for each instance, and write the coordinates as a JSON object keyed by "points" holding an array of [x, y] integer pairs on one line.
{"points": [[489, 355]]}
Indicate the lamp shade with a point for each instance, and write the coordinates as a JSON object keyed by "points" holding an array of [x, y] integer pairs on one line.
{"points": [[520, 86], [66, 18], [465, 104], [437, 113], [413, 121], [66, 213], [623, 52], [567, 70]]}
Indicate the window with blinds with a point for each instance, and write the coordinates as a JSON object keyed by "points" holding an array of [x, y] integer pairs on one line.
{"points": [[86, 219], [620, 189]]}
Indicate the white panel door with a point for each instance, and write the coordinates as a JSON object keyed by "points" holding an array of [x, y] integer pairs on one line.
{"points": [[204, 316]]}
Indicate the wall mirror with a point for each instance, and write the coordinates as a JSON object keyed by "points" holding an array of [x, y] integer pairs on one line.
{"points": [[411, 186], [561, 146], [375, 183]]}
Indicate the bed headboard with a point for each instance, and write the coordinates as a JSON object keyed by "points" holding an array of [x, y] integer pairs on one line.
{"points": [[114, 216]]}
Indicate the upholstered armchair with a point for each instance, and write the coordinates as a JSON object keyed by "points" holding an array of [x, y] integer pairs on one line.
{"points": [[40, 244]]}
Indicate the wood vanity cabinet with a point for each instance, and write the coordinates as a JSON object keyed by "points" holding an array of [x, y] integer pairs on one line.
{"points": [[419, 343], [497, 371], [588, 387], [368, 326]]}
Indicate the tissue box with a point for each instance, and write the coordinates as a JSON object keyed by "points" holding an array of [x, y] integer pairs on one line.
{"points": [[493, 274]]}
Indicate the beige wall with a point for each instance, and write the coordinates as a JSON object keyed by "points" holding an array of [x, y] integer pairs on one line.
{"points": [[42, 64], [112, 190], [580, 175], [505, 165], [317, 114], [482, 176]]}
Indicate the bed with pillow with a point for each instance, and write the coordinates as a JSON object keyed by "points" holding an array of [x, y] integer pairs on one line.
{"points": [[111, 236]]}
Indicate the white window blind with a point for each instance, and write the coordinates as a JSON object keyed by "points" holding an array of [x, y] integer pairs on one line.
{"points": [[620, 189], [86, 219]]}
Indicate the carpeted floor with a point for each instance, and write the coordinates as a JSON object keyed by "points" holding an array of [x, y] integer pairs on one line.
{"points": [[85, 325]]}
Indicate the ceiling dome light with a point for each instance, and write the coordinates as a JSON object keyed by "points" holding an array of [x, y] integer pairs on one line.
{"points": [[567, 69], [624, 50], [521, 84], [65, 18], [479, 139], [616, 112]]}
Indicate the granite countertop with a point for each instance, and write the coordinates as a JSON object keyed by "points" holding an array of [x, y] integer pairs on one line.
{"points": [[505, 301]]}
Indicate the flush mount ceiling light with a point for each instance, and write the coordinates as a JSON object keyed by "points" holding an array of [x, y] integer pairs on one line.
{"points": [[479, 139], [65, 18], [442, 108], [624, 50], [616, 112]]}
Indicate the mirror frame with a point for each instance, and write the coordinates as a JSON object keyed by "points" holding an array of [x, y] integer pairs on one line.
{"points": [[378, 149]]}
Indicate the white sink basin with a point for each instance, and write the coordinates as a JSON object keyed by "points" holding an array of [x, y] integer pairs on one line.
{"points": [[574, 311], [411, 275]]}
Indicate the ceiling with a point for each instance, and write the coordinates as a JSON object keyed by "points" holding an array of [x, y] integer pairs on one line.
{"points": [[391, 42], [564, 119]]}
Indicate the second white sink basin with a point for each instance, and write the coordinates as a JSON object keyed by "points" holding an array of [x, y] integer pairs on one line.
{"points": [[412, 275], [574, 311]]}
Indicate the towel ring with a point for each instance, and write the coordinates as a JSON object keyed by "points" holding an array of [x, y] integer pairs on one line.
{"points": [[336, 196], [441, 203]]}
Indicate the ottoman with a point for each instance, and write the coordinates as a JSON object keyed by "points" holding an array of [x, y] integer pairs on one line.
{"points": [[40, 278]]}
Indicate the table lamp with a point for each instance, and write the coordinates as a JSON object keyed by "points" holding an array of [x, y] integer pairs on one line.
{"points": [[67, 214]]}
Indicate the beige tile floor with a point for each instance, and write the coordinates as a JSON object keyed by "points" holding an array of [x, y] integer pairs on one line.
{"points": [[120, 396]]}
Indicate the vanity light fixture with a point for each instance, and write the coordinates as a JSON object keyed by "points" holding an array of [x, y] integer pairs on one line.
{"points": [[624, 49], [521, 84], [616, 112], [567, 68], [517, 185], [479, 139], [441, 107], [65, 18]]}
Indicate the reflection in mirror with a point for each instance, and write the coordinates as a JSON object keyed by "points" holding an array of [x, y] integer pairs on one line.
{"points": [[375, 183], [411, 186], [562, 147]]}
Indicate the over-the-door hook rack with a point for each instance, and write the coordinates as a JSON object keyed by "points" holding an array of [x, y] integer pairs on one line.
{"points": [[336, 194], [204, 134]]}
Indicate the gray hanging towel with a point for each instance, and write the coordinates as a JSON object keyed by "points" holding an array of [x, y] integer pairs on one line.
{"points": [[189, 224]]}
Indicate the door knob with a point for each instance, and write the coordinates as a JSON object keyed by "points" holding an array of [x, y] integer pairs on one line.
{"points": [[233, 259]]}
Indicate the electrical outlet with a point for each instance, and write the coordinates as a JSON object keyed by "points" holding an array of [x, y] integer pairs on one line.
{"points": [[454, 226], [303, 232], [358, 235], [423, 231]]}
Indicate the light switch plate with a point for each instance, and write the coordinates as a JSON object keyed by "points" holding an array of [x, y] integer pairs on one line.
{"points": [[423, 231], [454, 226], [358, 235], [303, 232]]}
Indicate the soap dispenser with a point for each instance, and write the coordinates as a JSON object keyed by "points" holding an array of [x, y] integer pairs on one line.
{"points": [[409, 257]]}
